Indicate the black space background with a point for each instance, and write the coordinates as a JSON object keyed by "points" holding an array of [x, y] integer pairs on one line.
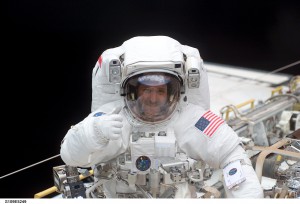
{"points": [[49, 48]]}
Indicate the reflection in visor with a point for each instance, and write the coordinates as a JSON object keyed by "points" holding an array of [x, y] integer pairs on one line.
{"points": [[153, 80], [152, 97]]}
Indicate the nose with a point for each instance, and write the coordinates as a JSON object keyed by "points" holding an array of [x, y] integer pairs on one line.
{"points": [[153, 96]]}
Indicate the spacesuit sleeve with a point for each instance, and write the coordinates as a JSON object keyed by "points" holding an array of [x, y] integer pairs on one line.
{"points": [[82, 147]]}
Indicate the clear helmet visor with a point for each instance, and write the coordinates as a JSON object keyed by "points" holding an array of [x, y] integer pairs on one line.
{"points": [[152, 97]]}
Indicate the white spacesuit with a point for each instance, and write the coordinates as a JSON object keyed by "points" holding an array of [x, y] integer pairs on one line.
{"points": [[151, 123]]}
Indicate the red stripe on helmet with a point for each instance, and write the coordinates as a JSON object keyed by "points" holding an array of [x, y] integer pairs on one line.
{"points": [[100, 61]]}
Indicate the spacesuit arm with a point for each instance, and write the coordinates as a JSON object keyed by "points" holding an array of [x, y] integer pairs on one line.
{"points": [[84, 146], [218, 149]]}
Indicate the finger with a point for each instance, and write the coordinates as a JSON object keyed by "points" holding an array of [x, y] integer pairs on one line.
{"points": [[115, 136], [117, 124], [116, 117], [116, 130]]}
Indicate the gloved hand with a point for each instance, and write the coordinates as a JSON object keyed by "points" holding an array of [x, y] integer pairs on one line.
{"points": [[109, 126]]}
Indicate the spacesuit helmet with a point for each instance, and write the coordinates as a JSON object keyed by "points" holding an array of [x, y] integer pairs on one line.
{"points": [[152, 97]]}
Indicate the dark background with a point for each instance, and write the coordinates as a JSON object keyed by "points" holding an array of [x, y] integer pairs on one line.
{"points": [[49, 48]]}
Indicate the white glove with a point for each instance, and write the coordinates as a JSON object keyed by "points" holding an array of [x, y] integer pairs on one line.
{"points": [[109, 127]]}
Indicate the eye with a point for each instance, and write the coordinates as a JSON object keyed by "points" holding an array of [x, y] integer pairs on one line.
{"points": [[161, 91], [146, 90]]}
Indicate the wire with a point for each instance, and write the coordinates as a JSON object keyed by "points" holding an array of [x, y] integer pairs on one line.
{"points": [[30, 166], [283, 95], [283, 68]]}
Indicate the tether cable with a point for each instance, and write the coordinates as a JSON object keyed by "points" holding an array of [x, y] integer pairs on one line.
{"points": [[27, 167]]}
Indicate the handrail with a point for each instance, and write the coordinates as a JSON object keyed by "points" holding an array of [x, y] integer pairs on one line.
{"points": [[53, 189]]}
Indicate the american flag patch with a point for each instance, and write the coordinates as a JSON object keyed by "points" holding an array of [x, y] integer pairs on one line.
{"points": [[209, 123]]}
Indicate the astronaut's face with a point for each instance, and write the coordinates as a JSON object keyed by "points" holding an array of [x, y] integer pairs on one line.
{"points": [[152, 100], [152, 97]]}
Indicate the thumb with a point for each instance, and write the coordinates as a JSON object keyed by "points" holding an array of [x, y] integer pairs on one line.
{"points": [[115, 110]]}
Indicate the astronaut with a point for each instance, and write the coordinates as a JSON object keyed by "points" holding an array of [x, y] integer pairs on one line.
{"points": [[151, 123]]}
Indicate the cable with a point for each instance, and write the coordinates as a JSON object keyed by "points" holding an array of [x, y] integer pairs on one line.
{"points": [[283, 68], [30, 166]]}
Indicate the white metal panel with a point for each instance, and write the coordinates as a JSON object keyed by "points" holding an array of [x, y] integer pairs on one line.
{"points": [[238, 86]]}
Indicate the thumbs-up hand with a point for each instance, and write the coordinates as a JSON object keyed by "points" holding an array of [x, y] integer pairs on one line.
{"points": [[109, 126]]}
